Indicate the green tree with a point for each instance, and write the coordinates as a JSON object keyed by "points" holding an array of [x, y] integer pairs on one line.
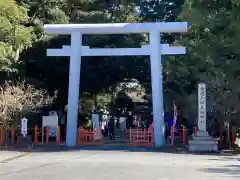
{"points": [[212, 43], [46, 12], [100, 71], [15, 35]]}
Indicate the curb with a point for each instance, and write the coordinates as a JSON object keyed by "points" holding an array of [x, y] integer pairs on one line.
{"points": [[15, 157]]}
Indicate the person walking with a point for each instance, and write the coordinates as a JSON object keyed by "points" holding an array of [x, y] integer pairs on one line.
{"points": [[166, 133], [111, 128]]}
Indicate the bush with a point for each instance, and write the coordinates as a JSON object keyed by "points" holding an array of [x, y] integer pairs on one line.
{"points": [[17, 100]]}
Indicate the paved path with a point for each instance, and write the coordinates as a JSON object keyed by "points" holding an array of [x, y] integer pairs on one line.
{"points": [[119, 165], [8, 155]]}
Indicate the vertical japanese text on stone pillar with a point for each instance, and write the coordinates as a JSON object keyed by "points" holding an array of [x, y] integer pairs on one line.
{"points": [[202, 107]]}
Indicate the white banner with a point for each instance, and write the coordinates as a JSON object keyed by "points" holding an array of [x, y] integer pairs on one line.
{"points": [[202, 107], [96, 125], [24, 128]]}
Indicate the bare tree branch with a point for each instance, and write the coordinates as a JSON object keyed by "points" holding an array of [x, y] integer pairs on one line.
{"points": [[19, 99]]}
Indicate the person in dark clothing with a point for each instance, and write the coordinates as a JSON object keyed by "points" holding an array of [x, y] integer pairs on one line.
{"points": [[130, 121], [166, 133], [111, 128], [118, 123]]}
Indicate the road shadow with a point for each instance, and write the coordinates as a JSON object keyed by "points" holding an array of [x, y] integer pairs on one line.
{"points": [[122, 148], [229, 170], [226, 158]]}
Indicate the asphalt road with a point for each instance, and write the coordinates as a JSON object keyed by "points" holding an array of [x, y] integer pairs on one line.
{"points": [[119, 165]]}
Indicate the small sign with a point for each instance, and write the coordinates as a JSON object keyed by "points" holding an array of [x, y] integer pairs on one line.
{"points": [[202, 107], [52, 123], [24, 128]]}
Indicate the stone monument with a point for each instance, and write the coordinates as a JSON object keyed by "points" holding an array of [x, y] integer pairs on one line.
{"points": [[202, 142]]}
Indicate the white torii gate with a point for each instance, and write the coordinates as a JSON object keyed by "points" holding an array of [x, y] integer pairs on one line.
{"points": [[154, 49]]}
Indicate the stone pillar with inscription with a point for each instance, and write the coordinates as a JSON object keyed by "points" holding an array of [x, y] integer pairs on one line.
{"points": [[202, 124], [202, 142]]}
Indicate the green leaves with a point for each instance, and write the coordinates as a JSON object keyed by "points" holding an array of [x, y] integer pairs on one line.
{"points": [[13, 12], [213, 45], [15, 36]]}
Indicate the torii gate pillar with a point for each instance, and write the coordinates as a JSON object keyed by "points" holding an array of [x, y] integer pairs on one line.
{"points": [[157, 88], [155, 49], [73, 88]]}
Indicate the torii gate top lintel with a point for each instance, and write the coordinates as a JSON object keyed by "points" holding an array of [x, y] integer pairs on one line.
{"points": [[116, 28]]}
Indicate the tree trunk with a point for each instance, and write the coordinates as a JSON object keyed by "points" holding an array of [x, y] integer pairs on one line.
{"points": [[5, 124]]}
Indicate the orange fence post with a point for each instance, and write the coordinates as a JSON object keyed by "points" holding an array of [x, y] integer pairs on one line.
{"points": [[78, 137], [172, 135], [130, 134], [1, 136], [47, 135], [184, 135], [195, 131], [13, 136], [58, 135], [151, 136], [137, 135], [36, 134], [101, 137], [234, 134], [9, 132]]}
